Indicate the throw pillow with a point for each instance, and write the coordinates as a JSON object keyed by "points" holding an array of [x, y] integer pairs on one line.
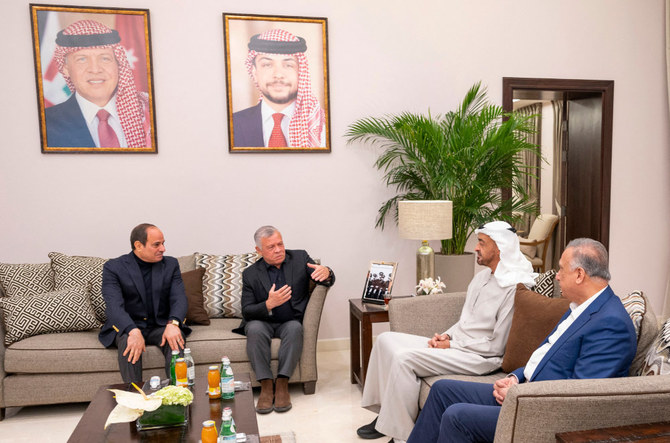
{"points": [[658, 356], [636, 307], [58, 311], [196, 314], [544, 283], [26, 279], [534, 318], [528, 250], [222, 282], [73, 271]]}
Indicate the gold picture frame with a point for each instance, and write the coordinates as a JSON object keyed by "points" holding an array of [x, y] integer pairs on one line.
{"points": [[292, 80], [113, 72]]}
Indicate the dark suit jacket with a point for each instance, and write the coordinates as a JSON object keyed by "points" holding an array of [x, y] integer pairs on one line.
{"points": [[601, 343], [256, 286], [124, 294], [248, 128], [66, 126]]}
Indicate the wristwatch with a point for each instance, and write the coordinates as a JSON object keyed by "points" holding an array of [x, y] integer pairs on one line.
{"points": [[174, 322]]}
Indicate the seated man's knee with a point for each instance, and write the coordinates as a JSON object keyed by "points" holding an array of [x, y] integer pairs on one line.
{"points": [[256, 329], [294, 329]]}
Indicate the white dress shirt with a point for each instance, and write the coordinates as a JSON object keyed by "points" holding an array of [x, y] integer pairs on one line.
{"points": [[538, 355], [90, 111]]}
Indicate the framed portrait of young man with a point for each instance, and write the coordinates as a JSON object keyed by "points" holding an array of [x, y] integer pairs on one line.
{"points": [[94, 79], [277, 83]]}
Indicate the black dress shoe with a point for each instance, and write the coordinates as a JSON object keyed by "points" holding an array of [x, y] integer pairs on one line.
{"points": [[368, 432]]}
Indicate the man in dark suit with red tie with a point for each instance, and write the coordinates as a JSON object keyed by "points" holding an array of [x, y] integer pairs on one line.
{"points": [[105, 109], [145, 302], [288, 114]]}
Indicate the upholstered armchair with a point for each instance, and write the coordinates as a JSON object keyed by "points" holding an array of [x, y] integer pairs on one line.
{"points": [[535, 247]]}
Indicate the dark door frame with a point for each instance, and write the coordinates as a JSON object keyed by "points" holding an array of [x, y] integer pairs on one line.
{"points": [[604, 87]]}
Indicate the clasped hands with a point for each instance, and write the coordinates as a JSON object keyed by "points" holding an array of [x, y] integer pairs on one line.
{"points": [[439, 341], [135, 345], [500, 388]]}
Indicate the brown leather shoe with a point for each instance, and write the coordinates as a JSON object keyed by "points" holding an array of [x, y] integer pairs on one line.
{"points": [[264, 405], [282, 398]]}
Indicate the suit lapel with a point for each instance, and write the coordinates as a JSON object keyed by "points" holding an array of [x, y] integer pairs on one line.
{"points": [[135, 275], [288, 270], [574, 327], [157, 283], [263, 275]]}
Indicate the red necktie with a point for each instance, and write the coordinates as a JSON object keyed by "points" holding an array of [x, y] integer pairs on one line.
{"points": [[277, 139], [107, 135]]}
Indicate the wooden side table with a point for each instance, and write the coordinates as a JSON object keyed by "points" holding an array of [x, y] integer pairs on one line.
{"points": [[649, 432], [361, 316]]}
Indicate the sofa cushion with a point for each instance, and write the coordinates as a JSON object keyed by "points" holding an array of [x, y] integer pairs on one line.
{"points": [[544, 283], [57, 311], [74, 271], [657, 361], [24, 280], [534, 317], [222, 282], [75, 352], [636, 307], [186, 262], [196, 314]]}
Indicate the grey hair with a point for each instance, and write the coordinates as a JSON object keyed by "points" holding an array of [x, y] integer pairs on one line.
{"points": [[591, 256], [263, 232]]}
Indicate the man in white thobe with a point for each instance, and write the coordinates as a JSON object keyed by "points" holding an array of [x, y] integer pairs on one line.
{"points": [[473, 346]]}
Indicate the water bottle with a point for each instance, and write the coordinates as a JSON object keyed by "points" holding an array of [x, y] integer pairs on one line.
{"points": [[190, 366], [228, 433], [227, 380], [173, 362]]}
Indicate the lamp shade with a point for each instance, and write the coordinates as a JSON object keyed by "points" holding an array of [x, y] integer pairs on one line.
{"points": [[425, 219]]}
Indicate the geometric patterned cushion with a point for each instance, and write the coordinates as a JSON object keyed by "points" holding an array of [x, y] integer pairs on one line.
{"points": [[58, 311], [658, 356], [544, 283], [70, 272], [222, 282], [25, 280], [635, 306]]}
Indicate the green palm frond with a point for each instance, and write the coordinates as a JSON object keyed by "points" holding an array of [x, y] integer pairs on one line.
{"points": [[466, 156]]}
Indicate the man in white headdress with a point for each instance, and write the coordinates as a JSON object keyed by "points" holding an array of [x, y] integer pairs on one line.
{"points": [[473, 346]]}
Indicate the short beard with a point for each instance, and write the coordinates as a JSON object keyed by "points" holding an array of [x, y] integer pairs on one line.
{"points": [[282, 101]]}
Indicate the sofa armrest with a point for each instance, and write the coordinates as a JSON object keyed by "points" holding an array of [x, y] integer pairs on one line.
{"points": [[427, 314], [538, 411], [310, 324]]}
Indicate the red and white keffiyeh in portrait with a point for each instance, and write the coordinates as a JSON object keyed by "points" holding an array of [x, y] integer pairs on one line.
{"points": [[132, 106], [308, 121]]}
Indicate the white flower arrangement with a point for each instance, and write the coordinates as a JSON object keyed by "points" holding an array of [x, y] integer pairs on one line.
{"points": [[430, 286]]}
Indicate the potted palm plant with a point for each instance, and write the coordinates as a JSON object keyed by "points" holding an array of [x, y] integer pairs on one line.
{"points": [[468, 156]]}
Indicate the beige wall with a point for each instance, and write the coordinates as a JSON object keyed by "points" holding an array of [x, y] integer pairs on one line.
{"points": [[385, 56]]}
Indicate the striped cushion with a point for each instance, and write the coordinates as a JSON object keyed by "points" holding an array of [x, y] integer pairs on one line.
{"points": [[222, 282], [658, 356], [635, 306]]}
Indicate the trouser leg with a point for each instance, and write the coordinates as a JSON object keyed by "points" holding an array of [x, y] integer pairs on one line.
{"points": [[154, 337], [457, 411], [291, 335], [259, 336], [131, 373]]}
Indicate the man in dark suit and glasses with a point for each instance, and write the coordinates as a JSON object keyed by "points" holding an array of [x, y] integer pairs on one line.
{"points": [[275, 292], [145, 302]]}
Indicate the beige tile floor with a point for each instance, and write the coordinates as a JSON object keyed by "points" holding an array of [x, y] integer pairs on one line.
{"points": [[330, 415]]}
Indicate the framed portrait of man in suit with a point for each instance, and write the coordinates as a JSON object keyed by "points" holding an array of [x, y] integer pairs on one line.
{"points": [[94, 79], [277, 83]]}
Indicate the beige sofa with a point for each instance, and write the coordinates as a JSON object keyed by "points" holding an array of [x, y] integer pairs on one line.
{"points": [[71, 366], [535, 412]]}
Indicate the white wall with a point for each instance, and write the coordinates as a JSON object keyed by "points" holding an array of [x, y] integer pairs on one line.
{"points": [[385, 57]]}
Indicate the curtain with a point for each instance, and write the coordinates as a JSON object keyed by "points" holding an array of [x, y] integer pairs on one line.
{"points": [[531, 183], [556, 183]]}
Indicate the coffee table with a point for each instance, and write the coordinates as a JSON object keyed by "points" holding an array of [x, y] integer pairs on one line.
{"points": [[90, 427]]}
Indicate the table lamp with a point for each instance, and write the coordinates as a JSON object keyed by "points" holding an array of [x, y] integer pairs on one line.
{"points": [[425, 220]]}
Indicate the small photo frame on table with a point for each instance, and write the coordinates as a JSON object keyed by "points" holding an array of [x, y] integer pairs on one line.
{"points": [[277, 82], [94, 79], [379, 281]]}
